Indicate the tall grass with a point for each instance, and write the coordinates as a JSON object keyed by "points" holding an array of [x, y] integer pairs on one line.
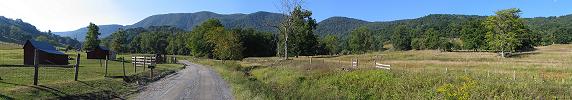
{"points": [[58, 83], [543, 74]]}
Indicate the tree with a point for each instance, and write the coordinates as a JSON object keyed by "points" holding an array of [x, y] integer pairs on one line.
{"points": [[119, 41], [256, 43], [286, 25], [433, 40], [298, 33], [227, 44], [91, 39], [198, 43], [400, 39], [332, 44], [473, 35], [177, 44], [506, 31], [154, 42], [360, 40]]}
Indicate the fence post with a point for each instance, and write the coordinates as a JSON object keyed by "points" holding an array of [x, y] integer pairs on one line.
{"points": [[123, 65], [100, 65], [36, 66], [310, 59], [105, 65], [134, 60], [488, 73], [446, 70], [77, 66], [144, 62], [513, 75]]}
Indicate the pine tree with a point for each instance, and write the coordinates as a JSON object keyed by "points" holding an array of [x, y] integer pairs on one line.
{"points": [[91, 39]]}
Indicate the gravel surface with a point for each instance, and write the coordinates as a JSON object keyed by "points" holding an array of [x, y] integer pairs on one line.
{"points": [[194, 82]]}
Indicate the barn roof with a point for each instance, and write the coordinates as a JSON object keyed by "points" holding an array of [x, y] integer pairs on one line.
{"points": [[44, 47], [103, 48]]}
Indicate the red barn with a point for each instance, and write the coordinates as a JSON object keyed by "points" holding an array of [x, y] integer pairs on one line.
{"points": [[98, 53], [47, 54]]}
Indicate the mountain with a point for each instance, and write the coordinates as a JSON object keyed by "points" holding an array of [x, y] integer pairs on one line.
{"points": [[446, 24], [339, 25], [80, 34], [18, 31], [262, 21]]}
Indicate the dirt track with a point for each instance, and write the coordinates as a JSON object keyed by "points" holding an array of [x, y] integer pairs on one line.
{"points": [[195, 82]]}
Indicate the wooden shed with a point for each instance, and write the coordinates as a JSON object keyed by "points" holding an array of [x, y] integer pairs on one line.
{"points": [[98, 53], [47, 54]]}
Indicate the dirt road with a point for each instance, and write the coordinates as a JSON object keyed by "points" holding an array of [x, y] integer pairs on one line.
{"points": [[195, 82]]}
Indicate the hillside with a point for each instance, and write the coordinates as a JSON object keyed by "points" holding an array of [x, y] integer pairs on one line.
{"points": [[18, 31], [259, 20], [446, 24], [105, 31], [339, 25]]}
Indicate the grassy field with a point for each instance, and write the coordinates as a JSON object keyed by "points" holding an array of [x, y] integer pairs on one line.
{"points": [[58, 82], [541, 74]]}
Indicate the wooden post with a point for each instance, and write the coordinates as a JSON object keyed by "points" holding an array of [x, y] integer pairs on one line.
{"points": [[77, 66], [105, 65], [36, 62], [100, 65], [513, 75], [144, 62], [446, 70], [123, 64], [151, 72], [134, 63], [310, 59]]}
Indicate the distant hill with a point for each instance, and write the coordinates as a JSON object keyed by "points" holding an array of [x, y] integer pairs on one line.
{"points": [[105, 31], [447, 24], [339, 25], [18, 31], [262, 21]]}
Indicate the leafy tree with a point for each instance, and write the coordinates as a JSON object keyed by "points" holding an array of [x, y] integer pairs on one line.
{"points": [[433, 39], [400, 39], [198, 43], [256, 43], [297, 33], [91, 40], [360, 40], [119, 41], [177, 44], [134, 45], [473, 35], [562, 35], [154, 42], [332, 44], [227, 44], [506, 31]]}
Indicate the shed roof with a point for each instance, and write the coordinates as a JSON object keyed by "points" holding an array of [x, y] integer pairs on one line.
{"points": [[43, 46]]}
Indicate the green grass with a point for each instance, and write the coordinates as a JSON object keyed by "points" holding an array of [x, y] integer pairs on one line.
{"points": [[58, 82], [542, 74]]}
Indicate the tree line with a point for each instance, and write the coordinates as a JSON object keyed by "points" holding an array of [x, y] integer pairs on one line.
{"points": [[503, 32]]}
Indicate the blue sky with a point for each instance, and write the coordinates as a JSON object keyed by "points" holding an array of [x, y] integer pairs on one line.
{"points": [[66, 15]]}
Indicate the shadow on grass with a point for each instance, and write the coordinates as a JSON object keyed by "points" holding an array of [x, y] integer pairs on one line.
{"points": [[523, 54], [4, 97], [62, 66], [53, 91]]}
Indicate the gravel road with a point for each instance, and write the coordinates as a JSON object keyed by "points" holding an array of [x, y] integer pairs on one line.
{"points": [[195, 82]]}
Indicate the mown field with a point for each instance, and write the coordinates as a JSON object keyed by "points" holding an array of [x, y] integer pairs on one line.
{"points": [[541, 74], [58, 82]]}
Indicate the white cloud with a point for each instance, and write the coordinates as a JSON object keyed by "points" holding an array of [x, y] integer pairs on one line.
{"points": [[62, 15]]}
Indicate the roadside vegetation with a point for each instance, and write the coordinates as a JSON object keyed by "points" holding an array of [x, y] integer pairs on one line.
{"points": [[424, 74], [58, 82]]}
